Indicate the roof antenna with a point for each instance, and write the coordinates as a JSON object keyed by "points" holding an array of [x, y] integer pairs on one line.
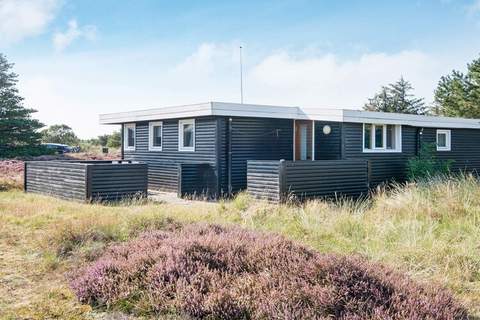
{"points": [[241, 76]]}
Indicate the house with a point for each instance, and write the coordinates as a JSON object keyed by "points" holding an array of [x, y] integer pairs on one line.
{"points": [[207, 146]]}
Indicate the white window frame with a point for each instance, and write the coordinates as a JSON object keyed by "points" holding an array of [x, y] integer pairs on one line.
{"points": [[127, 126], [151, 147], [448, 139], [181, 147], [398, 138]]}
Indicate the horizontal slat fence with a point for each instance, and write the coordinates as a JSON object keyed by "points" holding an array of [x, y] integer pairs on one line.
{"points": [[280, 181], [112, 182], [86, 180], [197, 180], [58, 178], [263, 179]]}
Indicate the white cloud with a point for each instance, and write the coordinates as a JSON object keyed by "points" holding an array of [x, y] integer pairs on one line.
{"points": [[327, 81], [74, 88], [61, 40], [20, 19]]}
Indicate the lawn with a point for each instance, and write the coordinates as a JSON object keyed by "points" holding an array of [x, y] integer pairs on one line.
{"points": [[429, 231]]}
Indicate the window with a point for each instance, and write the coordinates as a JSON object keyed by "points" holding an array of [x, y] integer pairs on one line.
{"points": [[155, 136], [443, 140], [129, 136], [186, 135], [382, 138]]}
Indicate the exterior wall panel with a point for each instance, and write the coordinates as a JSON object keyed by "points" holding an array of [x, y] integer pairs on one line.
{"points": [[163, 165], [258, 139], [328, 147], [465, 148], [384, 165]]}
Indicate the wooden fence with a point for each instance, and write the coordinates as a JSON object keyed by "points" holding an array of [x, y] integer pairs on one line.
{"points": [[282, 180], [87, 180]]}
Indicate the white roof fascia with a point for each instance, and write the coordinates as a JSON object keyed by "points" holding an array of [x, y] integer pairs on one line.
{"points": [[279, 112], [358, 116], [186, 111], [255, 110]]}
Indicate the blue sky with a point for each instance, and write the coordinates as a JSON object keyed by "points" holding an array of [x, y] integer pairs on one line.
{"points": [[77, 59]]}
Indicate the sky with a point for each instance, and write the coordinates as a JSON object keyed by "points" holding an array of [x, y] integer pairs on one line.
{"points": [[78, 59]]}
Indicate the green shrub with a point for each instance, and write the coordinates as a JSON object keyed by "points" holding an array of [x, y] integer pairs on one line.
{"points": [[426, 165], [24, 151]]}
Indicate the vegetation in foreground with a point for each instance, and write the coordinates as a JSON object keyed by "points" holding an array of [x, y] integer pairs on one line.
{"points": [[429, 231], [214, 272]]}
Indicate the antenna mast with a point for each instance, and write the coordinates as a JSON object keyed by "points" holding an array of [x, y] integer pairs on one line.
{"points": [[241, 76]]}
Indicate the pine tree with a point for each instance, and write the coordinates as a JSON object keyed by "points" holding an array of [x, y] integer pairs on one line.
{"points": [[17, 127], [458, 94], [396, 97]]}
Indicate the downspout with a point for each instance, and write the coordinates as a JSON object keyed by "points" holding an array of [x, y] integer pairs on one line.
{"points": [[419, 141], [122, 135], [229, 157]]}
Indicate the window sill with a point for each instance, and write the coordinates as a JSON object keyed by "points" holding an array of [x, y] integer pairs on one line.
{"points": [[129, 149], [155, 149], [443, 149], [381, 151], [186, 149]]}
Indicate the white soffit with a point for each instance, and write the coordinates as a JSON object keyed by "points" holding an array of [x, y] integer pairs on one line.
{"points": [[279, 112]]}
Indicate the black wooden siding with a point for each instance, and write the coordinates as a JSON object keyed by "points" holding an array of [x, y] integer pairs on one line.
{"points": [[272, 139], [263, 180], [283, 180], [328, 147], [163, 165], [117, 181], [312, 179], [258, 139], [198, 180], [86, 180], [465, 147], [61, 179], [384, 165]]}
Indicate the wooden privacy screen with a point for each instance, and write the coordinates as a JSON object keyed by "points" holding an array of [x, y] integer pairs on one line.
{"points": [[87, 180], [197, 180], [279, 181]]}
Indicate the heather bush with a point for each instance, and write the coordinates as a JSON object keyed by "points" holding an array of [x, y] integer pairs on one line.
{"points": [[214, 272]]}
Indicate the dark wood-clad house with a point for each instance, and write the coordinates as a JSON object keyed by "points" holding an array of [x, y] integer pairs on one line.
{"points": [[204, 146]]}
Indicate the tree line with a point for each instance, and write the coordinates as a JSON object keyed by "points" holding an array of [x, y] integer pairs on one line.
{"points": [[61, 133], [20, 132], [457, 95]]}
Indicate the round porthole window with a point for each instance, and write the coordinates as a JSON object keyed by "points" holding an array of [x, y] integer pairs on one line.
{"points": [[327, 129]]}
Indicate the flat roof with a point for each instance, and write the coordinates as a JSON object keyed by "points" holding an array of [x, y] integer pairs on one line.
{"points": [[229, 109]]}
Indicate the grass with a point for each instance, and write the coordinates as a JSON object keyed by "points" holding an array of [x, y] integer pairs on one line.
{"points": [[429, 230]]}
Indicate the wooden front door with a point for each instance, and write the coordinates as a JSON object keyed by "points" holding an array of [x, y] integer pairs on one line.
{"points": [[303, 140]]}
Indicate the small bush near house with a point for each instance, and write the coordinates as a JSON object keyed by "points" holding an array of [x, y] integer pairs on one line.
{"points": [[426, 164], [208, 271]]}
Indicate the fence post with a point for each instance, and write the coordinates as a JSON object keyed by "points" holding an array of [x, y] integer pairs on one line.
{"points": [[88, 182], [179, 180], [281, 180], [25, 176]]}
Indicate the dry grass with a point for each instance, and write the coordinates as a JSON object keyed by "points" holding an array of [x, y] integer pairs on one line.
{"points": [[431, 232]]}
